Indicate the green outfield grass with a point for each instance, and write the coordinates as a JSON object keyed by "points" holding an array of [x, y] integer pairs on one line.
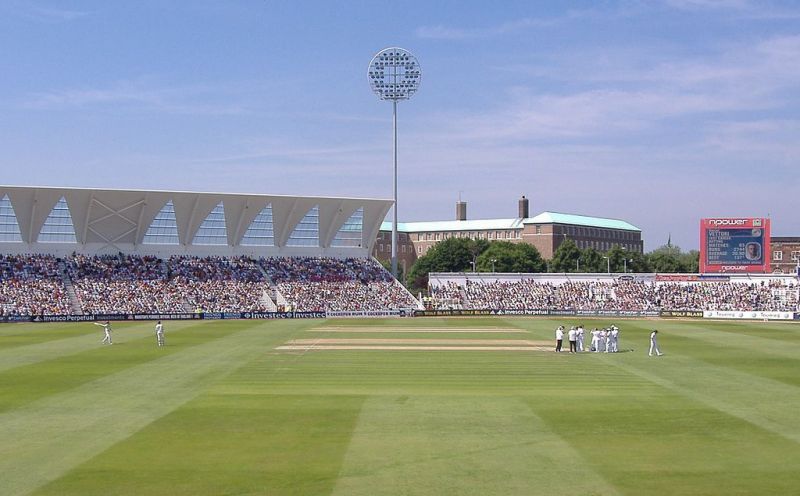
{"points": [[220, 410]]}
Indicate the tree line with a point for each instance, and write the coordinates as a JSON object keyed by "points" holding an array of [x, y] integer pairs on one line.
{"points": [[466, 255]]}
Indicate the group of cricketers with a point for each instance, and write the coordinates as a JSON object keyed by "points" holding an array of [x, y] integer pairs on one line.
{"points": [[107, 332], [603, 340]]}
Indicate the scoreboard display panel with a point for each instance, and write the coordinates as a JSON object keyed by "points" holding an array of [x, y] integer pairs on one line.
{"points": [[736, 244]]}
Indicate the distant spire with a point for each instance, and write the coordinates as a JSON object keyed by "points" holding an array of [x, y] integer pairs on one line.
{"points": [[669, 240]]}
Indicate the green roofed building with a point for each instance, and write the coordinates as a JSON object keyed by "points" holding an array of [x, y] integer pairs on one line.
{"points": [[546, 231]]}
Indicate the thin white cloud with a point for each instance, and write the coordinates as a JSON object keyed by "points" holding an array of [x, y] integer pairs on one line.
{"points": [[739, 9], [444, 32], [708, 4], [622, 98], [140, 94], [44, 14]]}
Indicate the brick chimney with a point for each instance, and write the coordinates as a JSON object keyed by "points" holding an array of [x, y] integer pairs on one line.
{"points": [[524, 212], [461, 210]]}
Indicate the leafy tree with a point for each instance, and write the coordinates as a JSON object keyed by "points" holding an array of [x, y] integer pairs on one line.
{"points": [[450, 255], [592, 261], [637, 262], [666, 259], [690, 261], [511, 257], [565, 258], [387, 264], [622, 260], [615, 255]]}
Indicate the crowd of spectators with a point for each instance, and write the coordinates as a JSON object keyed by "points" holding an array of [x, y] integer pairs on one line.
{"points": [[132, 284], [335, 284], [618, 295], [31, 285], [727, 296]]}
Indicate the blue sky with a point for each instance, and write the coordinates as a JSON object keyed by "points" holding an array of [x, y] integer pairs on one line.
{"points": [[656, 112]]}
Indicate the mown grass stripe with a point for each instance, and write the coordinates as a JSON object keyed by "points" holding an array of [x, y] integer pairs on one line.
{"points": [[434, 445], [768, 404], [40, 442], [27, 383], [49, 350], [24, 334], [754, 344]]}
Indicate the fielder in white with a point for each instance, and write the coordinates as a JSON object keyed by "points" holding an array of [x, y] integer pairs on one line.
{"points": [[654, 343], [614, 339], [106, 331], [580, 338], [595, 340], [160, 334], [601, 341]]}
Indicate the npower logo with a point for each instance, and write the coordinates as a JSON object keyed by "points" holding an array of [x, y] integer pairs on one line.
{"points": [[728, 268], [727, 222]]}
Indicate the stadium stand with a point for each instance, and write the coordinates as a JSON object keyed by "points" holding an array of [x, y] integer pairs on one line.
{"points": [[31, 285], [110, 284], [521, 294], [330, 284], [142, 284]]}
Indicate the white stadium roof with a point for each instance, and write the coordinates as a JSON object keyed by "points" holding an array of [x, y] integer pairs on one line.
{"points": [[62, 220]]}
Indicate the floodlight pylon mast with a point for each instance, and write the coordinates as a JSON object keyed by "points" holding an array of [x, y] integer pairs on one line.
{"points": [[394, 75], [394, 186]]}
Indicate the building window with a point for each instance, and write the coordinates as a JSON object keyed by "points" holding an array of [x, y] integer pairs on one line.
{"points": [[58, 227], [777, 256], [350, 233], [164, 228], [9, 229], [212, 230], [538, 229], [795, 256], [306, 233], [260, 232]]}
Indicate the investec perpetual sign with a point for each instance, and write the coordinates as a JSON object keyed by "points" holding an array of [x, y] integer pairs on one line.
{"points": [[734, 245]]}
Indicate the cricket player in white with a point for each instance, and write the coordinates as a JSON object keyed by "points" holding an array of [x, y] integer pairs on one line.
{"points": [[654, 343], [106, 331], [595, 340], [614, 339], [572, 335], [160, 334], [559, 338], [580, 338]]}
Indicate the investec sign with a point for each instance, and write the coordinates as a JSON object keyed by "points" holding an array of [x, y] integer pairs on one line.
{"points": [[734, 244]]}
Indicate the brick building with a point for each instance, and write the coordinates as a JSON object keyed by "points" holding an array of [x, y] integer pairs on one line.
{"points": [[785, 254], [546, 231]]}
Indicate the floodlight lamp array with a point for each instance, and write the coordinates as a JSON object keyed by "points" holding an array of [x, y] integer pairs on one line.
{"points": [[394, 74]]}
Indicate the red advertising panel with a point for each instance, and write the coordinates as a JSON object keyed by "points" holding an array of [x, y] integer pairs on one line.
{"points": [[735, 244]]}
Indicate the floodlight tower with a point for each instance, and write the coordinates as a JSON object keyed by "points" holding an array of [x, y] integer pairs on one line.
{"points": [[394, 74]]}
